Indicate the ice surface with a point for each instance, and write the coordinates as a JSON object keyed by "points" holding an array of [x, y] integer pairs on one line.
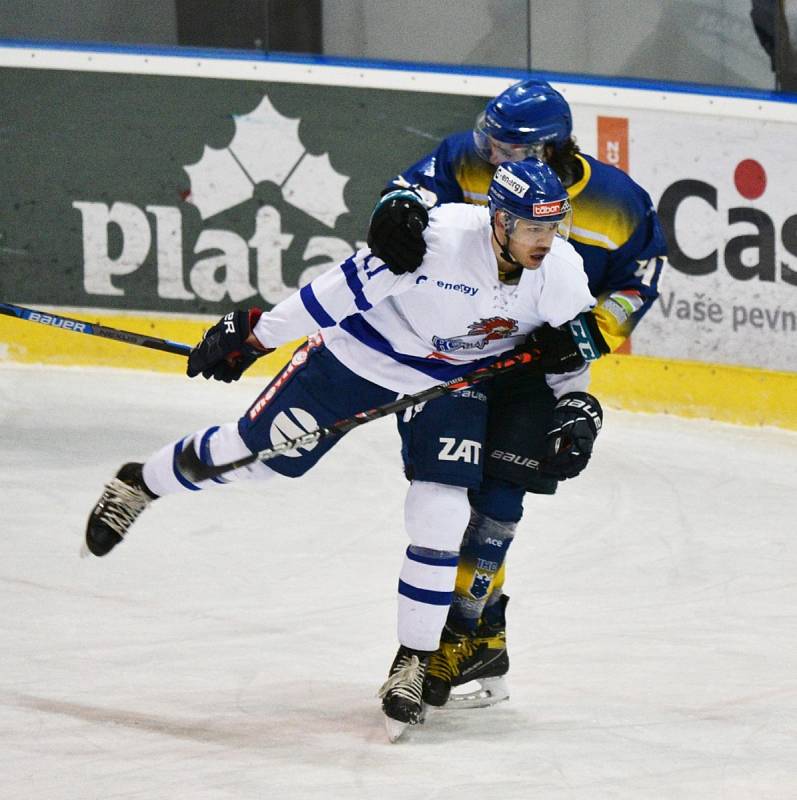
{"points": [[233, 646]]}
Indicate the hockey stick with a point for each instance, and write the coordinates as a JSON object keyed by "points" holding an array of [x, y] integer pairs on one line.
{"points": [[195, 470], [190, 465], [80, 326]]}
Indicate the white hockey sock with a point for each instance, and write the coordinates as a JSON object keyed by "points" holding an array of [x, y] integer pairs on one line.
{"points": [[435, 516], [217, 445], [426, 586]]}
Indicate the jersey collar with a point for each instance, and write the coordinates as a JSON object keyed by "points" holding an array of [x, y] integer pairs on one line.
{"points": [[578, 186]]}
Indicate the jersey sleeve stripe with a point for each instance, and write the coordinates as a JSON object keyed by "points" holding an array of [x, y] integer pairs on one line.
{"points": [[477, 198], [314, 308], [355, 284], [593, 237], [441, 371], [374, 271]]}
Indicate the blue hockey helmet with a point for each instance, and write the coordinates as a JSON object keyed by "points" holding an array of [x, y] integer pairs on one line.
{"points": [[520, 121], [530, 190]]}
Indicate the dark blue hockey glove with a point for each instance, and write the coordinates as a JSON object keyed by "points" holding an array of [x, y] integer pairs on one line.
{"points": [[395, 232], [567, 347], [223, 353], [576, 423]]}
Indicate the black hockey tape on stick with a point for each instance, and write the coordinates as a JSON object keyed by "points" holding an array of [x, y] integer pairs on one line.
{"points": [[195, 470], [81, 326]]}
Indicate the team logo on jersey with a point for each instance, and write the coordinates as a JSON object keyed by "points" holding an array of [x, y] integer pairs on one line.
{"points": [[487, 330], [480, 585]]}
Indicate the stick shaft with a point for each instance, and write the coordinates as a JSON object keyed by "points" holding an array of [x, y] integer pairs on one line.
{"points": [[195, 471], [81, 326]]}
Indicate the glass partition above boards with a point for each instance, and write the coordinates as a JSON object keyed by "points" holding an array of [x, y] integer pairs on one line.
{"points": [[734, 43]]}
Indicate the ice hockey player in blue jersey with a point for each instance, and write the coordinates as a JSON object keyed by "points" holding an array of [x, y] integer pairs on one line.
{"points": [[374, 334], [616, 231]]}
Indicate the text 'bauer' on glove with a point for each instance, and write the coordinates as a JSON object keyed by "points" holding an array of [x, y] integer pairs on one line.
{"points": [[395, 231], [567, 347], [226, 349], [576, 423]]}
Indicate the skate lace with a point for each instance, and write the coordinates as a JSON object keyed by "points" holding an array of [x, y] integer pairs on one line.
{"points": [[406, 681], [446, 661], [120, 504]]}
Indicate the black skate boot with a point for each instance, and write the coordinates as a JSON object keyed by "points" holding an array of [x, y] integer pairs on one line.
{"points": [[444, 665], [480, 656], [124, 498], [401, 692]]}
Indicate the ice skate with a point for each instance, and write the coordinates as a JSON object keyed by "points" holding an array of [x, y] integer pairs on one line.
{"points": [[444, 666], [481, 656], [124, 498], [491, 690], [401, 692]]}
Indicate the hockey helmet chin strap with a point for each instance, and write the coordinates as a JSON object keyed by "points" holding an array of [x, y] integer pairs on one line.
{"points": [[506, 255]]}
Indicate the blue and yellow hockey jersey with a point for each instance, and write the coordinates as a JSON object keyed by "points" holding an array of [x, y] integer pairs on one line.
{"points": [[615, 227]]}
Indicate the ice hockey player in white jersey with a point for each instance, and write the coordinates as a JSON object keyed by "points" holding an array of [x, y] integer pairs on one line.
{"points": [[489, 279], [617, 233]]}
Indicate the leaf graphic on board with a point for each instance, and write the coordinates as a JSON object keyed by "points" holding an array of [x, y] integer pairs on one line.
{"points": [[266, 144], [266, 147], [317, 189], [217, 182]]}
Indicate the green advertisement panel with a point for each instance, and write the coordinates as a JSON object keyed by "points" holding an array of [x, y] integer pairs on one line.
{"points": [[182, 194]]}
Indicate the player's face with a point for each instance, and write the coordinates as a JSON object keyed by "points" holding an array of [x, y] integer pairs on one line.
{"points": [[504, 151], [530, 241]]}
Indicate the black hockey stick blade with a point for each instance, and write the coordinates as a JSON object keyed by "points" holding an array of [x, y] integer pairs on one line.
{"points": [[81, 326], [195, 470]]}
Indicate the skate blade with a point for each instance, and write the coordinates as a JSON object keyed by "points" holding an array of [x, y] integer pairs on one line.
{"points": [[396, 728], [84, 551], [490, 692]]}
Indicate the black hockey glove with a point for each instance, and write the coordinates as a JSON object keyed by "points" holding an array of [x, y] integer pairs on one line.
{"points": [[576, 423], [395, 232], [567, 347], [223, 353]]}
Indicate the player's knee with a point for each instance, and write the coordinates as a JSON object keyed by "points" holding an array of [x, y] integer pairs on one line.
{"points": [[436, 515], [488, 539], [222, 444]]}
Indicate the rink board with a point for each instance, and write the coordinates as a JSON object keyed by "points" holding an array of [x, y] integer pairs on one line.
{"points": [[730, 394], [185, 183], [174, 203]]}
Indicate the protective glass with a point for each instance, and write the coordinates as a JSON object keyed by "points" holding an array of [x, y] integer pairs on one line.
{"points": [[496, 151], [533, 231]]}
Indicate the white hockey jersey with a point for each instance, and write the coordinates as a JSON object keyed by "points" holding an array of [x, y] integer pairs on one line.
{"points": [[452, 315]]}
